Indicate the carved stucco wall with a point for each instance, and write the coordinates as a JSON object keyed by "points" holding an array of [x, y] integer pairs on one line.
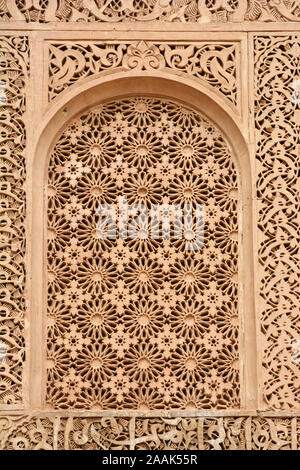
{"points": [[253, 76], [142, 323], [201, 11]]}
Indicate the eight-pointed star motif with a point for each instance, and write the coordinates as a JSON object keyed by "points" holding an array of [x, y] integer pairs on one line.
{"points": [[139, 321]]}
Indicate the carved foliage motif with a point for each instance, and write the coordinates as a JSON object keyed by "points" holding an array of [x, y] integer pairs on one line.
{"points": [[277, 120], [216, 64], [59, 433], [273, 10], [13, 73], [201, 11], [137, 322]]}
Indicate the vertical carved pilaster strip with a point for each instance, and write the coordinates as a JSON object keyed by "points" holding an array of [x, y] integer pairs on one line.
{"points": [[277, 71], [216, 64], [13, 76], [294, 434]]}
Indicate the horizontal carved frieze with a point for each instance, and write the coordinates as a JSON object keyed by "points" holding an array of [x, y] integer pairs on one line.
{"points": [[192, 11], [116, 433], [214, 63]]}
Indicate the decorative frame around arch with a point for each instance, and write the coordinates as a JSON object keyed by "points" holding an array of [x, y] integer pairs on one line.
{"points": [[76, 101]]}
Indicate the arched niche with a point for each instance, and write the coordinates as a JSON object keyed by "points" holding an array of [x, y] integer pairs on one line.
{"points": [[75, 104]]}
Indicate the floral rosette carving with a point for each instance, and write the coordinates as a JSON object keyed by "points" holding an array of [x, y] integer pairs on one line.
{"points": [[137, 322]]}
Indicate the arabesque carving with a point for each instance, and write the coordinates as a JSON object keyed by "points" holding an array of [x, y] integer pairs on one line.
{"points": [[273, 10], [185, 11], [139, 322], [103, 433], [217, 64], [277, 129], [13, 77], [141, 325]]}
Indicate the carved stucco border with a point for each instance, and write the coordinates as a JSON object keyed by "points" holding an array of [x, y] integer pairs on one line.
{"points": [[13, 106], [110, 87], [214, 63], [274, 63], [168, 11]]}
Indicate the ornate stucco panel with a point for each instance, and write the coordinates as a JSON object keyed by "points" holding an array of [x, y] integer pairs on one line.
{"points": [[216, 64], [277, 138], [61, 433], [13, 76], [201, 11]]}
